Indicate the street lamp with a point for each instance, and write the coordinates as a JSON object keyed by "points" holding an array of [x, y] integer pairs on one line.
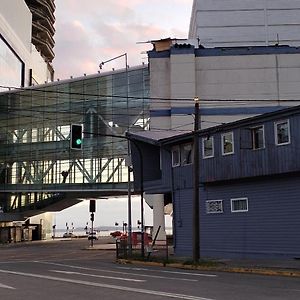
{"points": [[109, 60], [129, 167]]}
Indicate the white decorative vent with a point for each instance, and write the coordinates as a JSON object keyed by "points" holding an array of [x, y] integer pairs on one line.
{"points": [[214, 206]]}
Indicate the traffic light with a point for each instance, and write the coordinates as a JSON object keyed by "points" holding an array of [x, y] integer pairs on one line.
{"points": [[92, 206], [76, 137]]}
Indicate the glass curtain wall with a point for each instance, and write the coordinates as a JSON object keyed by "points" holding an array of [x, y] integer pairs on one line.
{"points": [[35, 134]]}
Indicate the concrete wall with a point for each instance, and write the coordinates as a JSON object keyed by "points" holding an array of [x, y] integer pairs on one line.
{"points": [[220, 23], [241, 76]]}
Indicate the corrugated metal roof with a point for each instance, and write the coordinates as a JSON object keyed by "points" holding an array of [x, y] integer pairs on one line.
{"points": [[156, 136]]}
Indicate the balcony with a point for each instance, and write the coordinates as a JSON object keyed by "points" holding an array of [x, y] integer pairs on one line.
{"points": [[38, 30], [44, 47], [43, 26], [44, 6], [38, 16]]}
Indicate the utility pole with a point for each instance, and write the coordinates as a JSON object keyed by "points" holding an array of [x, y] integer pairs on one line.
{"points": [[196, 221]]}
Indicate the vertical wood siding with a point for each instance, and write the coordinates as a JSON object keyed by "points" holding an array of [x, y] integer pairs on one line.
{"points": [[183, 222], [270, 227], [246, 162]]}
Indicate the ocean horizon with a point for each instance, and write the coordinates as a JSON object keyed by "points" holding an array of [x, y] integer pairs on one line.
{"points": [[100, 230]]}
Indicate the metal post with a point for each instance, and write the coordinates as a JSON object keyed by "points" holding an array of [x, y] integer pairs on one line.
{"points": [[141, 181], [129, 238], [129, 214], [196, 223], [129, 167], [142, 200], [92, 236]]}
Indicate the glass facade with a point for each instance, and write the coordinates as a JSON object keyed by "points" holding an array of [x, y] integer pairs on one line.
{"points": [[10, 66], [35, 134]]}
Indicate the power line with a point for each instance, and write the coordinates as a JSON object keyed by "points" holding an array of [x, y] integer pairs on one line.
{"points": [[142, 97]]}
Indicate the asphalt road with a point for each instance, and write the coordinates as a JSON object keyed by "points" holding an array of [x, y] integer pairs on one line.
{"points": [[66, 270]]}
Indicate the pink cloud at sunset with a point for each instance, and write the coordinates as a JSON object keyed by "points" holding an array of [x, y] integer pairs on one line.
{"points": [[89, 32]]}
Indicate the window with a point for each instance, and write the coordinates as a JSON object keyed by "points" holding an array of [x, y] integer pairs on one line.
{"points": [[282, 132], [208, 147], [214, 206], [182, 155], [227, 143], [239, 205], [10, 65], [186, 154], [176, 156], [258, 138]]}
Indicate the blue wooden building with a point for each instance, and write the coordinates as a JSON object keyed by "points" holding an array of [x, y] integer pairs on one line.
{"points": [[249, 184]]}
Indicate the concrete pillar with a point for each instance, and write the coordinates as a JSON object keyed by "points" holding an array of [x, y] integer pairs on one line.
{"points": [[157, 202]]}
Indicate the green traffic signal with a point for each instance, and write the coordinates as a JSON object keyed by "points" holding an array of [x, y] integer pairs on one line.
{"points": [[76, 136]]}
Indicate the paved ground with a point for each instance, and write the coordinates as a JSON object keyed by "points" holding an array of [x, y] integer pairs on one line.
{"points": [[70, 269], [106, 247]]}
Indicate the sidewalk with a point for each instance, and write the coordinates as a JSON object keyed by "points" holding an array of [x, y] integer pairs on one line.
{"points": [[277, 267], [284, 266]]}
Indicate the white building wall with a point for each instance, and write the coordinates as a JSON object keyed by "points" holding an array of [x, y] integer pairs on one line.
{"points": [[220, 23], [16, 23], [15, 27], [160, 90], [40, 72], [269, 79]]}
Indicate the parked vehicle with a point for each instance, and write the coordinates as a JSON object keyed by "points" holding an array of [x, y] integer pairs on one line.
{"points": [[92, 236], [116, 234], [69, 235]]}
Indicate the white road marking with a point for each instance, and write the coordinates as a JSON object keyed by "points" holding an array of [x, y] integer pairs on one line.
{"points": [[108, 286], [117, 272], [6, 286], [98, 276], [171, 272]]}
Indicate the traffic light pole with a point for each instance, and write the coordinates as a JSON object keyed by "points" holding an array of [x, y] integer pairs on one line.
{"points": [[141, 183], [92, 227]]}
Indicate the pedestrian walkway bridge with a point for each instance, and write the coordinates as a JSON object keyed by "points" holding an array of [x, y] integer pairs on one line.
{"points": [[38, 170]]}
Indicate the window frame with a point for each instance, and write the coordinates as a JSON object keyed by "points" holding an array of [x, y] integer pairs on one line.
{"points": [[182, 163], [252, 137], [276, 132], [239, 199], [222, 143], [214, 212], [176, 148], [203, 147]]}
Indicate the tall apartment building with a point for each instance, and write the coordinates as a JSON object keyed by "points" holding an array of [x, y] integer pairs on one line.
{"points": [[26, 42], [227, 23]]}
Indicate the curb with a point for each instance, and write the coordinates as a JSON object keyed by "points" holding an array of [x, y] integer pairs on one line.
{"points": [[241, 270]]}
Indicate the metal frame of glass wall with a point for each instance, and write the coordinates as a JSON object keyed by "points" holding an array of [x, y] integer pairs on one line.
{"points": [[35, 155]]}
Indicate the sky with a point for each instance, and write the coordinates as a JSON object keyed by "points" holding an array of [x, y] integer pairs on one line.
{"points": [[108, 212], [93, 31]]}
